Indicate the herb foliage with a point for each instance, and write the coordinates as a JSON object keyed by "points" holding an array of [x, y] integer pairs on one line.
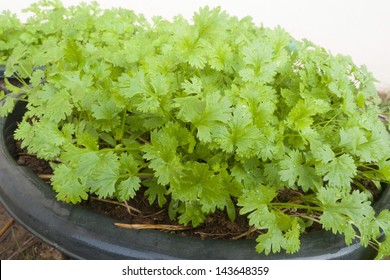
{"points": [[213, 113]]}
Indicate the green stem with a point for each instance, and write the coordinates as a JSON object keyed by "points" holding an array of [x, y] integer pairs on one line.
{"points": [[328, 121], [119, 149], [307, 217], [293, 205], [143, 175], [123, 122]]}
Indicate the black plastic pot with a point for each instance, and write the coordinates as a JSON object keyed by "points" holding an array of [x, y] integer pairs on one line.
{"points": [[83, 234], [2, 71]]}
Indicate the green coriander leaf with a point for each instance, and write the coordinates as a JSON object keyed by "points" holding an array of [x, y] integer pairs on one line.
{"points": [[192, 214], [240, 135], [383, 220], [198, 183], [155, 191], [104, 175], [272, 241], [192, 86], [163, 158], [47, 140], [7, 104], [292, 237], [128, 188], [67, 184], [252, 198], [339, 171], [206, 114], [300, 116], [293, 170], [322, 152], [342, 211], [58, 107]]}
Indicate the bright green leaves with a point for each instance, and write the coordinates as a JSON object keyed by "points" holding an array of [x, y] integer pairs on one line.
{"points": [[339, 171], [342, 211], [300, 116], [283, 231], [221, 57], [103, 173], [106, 114], [128, 188], [240, 135], [206, 114], [258, 57], [147, 93], [44, 138], [192, 183], [68, 186], [368, 146], [210, 23], [199, 183], [7, 104], [294, 170], [199, 115], [252, 199], [163, 157], [58, 106], [383, 221]]}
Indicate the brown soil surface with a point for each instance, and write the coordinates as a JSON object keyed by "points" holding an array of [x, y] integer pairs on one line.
{"points": [[18, 244]]}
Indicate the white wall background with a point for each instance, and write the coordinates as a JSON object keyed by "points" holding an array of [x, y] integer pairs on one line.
{"points": [[359, 28]]}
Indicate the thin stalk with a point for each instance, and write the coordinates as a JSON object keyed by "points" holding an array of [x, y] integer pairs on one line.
{"points": [[307, 217], [293, 205], [118, 149], [123, 123]]}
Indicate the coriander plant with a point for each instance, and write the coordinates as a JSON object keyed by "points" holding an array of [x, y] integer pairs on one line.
{"points": [[212, 113]]}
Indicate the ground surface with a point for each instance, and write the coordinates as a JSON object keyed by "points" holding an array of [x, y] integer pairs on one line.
{"points": [[18, 244]]}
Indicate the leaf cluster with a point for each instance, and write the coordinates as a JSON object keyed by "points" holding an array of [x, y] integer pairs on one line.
{"points": [[212, 113]]}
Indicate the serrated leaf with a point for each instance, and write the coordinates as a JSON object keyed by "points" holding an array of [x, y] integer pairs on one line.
{"points": [[198, 183], [192, 214], [7, 105], [342, 211], [384, 249], [376, 146], [155, 191], [128, 188], [339, 171], [205, 114], [322, 152], [240, 135], [292, 237], [255, 197], [47, 140], [67, 184], [294, 171], [37, 77], [383, 220], [192, 86], [272, 241], [104, 175], [300, 116], [58, 107]]}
